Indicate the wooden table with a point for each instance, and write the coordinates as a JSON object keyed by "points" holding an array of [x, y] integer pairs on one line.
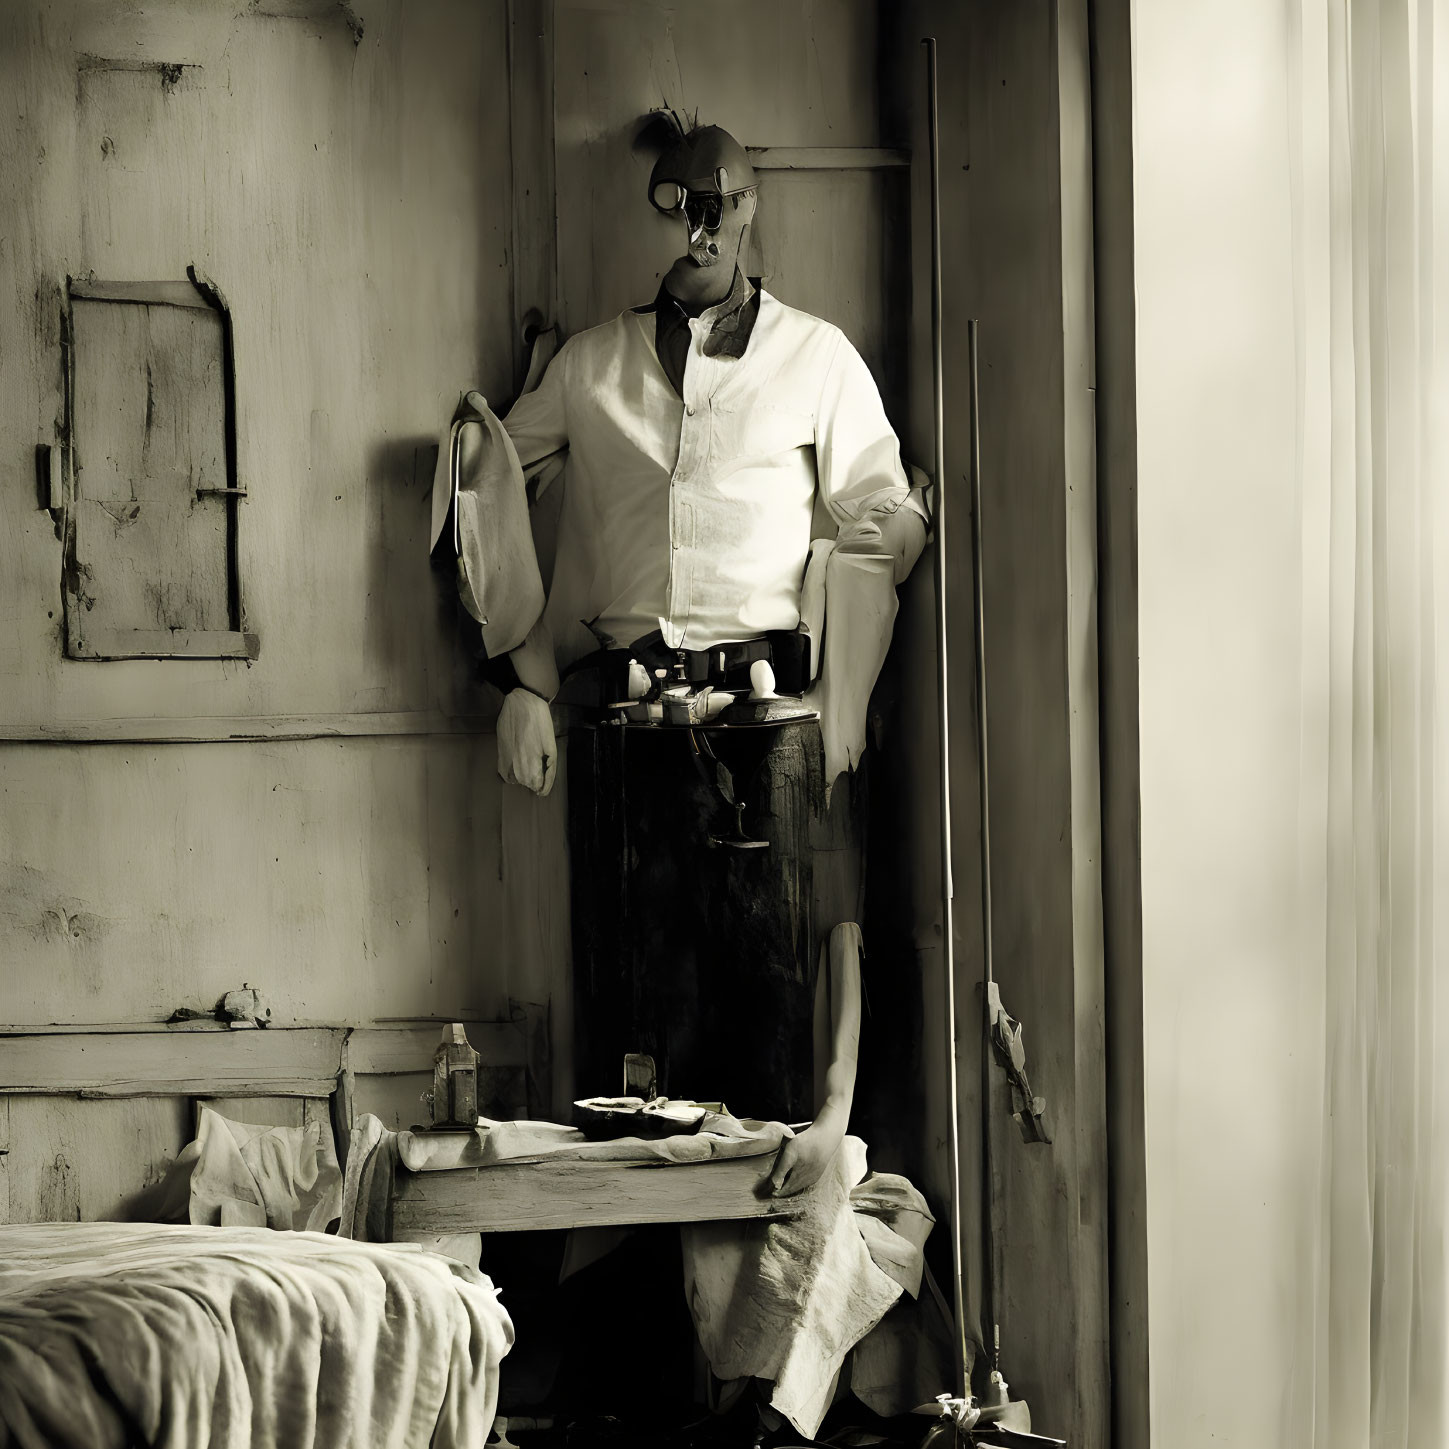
{"points": [[552, 1193]]}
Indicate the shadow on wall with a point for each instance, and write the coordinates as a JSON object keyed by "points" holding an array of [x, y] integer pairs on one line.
{"points": [[398, 477], [412, 631]]}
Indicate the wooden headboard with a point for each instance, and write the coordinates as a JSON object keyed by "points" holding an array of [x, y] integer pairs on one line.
{"points": [[92, 1116]]}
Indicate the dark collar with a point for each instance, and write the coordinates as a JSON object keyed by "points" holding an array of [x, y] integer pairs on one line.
{"points": [[730, 322]]}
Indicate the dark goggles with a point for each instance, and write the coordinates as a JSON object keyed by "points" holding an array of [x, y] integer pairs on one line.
{"points": [[700, 208]]}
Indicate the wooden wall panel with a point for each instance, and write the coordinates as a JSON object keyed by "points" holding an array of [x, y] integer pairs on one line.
{"points": [[148, 431], [398, 1100], [100, 1113], [1116, 317], [772, 74], [86, 1160], [78, 1160], [537, 946], [345, 879], [351, 199], [261, 1111], [4, 1159], [342, 174], [181, 1059], [837, 244]]}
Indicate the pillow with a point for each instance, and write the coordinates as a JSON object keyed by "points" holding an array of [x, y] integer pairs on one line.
{"points": [[238, 1174]]}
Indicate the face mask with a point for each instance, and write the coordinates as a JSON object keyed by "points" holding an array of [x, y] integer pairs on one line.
{"points": [[702, 213], [703, 243]]}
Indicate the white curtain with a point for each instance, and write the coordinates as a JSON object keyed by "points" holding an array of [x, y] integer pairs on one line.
{"points": [[1369, 148]]}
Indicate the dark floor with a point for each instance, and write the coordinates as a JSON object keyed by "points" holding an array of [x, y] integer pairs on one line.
{"points": [[608, 1358]]}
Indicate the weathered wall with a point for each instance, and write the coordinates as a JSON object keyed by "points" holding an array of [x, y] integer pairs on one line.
{"points": [[326, 823], [342, 173], [348, 879]]}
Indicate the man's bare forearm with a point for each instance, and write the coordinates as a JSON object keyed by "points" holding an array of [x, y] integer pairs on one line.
{"points": [[802, 1160], [838, 1094]]}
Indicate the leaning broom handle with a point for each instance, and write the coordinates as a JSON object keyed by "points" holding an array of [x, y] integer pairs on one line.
{"points": [[990, 1139], [947, 888]]}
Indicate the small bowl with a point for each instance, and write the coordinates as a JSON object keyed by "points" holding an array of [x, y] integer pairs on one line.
{"points": [[608, 1117]]}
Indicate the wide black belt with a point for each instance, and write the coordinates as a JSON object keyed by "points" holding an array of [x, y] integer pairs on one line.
{"points": [[721, 666]]}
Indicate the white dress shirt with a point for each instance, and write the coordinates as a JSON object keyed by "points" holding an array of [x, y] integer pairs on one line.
{"points": [[693, 515]]}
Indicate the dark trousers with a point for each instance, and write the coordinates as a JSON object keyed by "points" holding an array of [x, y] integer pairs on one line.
{"points": [[701, 954]]}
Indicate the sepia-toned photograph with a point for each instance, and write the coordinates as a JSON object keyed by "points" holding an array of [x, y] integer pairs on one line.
{"points": [[724, 723]]}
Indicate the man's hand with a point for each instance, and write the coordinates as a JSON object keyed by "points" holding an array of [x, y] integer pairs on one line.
{"points": [[527, 750], [802, 1160]]}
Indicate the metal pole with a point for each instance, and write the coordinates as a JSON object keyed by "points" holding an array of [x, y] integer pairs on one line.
{"points": [[990, 1142], [972, 331], [943, 723]]}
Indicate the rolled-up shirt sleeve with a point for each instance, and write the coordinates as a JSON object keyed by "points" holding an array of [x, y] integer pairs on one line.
{"points": [[857, 454], [537, 426], [538, 422]]}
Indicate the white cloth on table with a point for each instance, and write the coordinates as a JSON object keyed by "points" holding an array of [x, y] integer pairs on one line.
{"points": [[786, 1300], [719, 1135], [372, 1161], [184, 1337], [783, 1300], [375, 1154]]}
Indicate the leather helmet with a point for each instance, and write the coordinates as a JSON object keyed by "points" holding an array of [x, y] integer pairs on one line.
{"points": [[708, 159]]}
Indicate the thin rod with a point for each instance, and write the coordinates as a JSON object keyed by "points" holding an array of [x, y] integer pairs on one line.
{"points": [[978, 560], [990, 1133], [938, 399]]}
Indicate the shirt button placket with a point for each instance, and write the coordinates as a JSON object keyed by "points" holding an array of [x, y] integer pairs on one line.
{"points": [[680, 560]]}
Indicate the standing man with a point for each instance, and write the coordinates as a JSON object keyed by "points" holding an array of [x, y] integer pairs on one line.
{"points": [[710, 435]]}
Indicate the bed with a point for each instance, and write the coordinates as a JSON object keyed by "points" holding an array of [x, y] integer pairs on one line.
{"points": [[185, 1337]]}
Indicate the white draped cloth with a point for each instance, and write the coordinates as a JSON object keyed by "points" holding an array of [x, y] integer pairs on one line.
{"points": [[1291, 268], [1369, 142]]}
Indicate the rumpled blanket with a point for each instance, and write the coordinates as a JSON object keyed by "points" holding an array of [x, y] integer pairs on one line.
{"points": [[179, 1337]]}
